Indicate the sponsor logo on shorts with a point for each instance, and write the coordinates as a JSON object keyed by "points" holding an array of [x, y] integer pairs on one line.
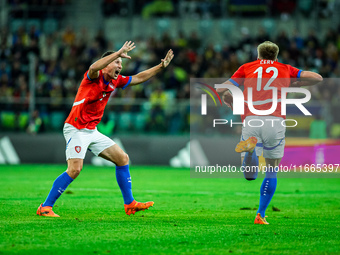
{"points": [[78, 149]]}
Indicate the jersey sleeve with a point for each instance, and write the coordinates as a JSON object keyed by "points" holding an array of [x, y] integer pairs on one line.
{"points": [[123, 81], [238, 77], [294, 72], [86, 76]]}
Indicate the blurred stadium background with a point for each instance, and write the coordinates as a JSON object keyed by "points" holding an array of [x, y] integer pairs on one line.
{"points": [[47, 45]]}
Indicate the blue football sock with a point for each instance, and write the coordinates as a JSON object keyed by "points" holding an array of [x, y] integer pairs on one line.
{"points": [[250, 165], [59, 186], [267, 190], [124, 182]]}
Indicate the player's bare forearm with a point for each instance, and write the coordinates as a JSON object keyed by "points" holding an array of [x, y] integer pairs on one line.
{"points": [[308, 78], [105, 61], [222, 90], [226, 95], [146, 75]]}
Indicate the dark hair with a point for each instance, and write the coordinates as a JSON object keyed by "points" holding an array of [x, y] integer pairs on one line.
{"points": [[107, 53]]}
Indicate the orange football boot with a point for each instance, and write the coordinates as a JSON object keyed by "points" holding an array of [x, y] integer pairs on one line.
{"points": [[260, 220], [46, 211], [137, 206], [247, 145]]}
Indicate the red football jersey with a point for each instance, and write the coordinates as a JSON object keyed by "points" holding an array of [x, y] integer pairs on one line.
{"points": [[261, 76], [91, 99]]}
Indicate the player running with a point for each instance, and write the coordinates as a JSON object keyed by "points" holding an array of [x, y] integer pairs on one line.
{"points": [[262, 75], [80, 131]]}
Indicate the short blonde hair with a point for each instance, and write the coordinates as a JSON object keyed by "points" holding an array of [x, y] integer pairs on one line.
{"points": [[268, 50]]}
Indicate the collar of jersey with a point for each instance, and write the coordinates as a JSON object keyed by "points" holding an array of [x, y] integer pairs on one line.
{"points": [[105, 82]]}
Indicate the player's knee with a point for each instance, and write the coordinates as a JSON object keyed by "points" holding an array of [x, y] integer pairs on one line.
{"points": [[74, 171], [77, 170], [74, 167], [123, 159]]}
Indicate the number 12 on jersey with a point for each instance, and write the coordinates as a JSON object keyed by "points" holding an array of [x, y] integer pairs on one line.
{"points": [[259, 77]]}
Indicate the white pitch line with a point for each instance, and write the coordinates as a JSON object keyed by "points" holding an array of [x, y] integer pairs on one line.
{"points": [[244, 194], [146, 191]]}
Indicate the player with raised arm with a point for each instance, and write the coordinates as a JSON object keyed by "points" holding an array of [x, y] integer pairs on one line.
{"points": [[81, 134], [262, 75]]}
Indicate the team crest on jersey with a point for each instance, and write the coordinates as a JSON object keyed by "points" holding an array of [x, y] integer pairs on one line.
{"points": [[104, 94], [78, 149]]}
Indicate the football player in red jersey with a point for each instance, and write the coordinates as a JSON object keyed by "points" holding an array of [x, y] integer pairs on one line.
{"points": [[264, 76], [81, 134]]}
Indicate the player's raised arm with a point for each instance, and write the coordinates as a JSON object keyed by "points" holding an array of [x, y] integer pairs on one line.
{"points": [[147, 74], [103, 62], [235, 80], [226, 95], [308, 78], [222, 90]]}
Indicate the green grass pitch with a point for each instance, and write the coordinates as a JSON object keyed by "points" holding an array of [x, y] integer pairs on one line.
{"points": [[190, 216]]}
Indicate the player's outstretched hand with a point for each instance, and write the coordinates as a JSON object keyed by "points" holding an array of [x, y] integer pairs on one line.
{"points": [[128, 45], [228, 99], [166, 61]]}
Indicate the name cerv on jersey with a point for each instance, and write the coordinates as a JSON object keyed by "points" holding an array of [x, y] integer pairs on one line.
{"points": [[91, 99], [261, 76]]}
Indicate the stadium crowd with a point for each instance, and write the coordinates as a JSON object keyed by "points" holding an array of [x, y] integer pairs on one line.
{"points": [[63, 57]]}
